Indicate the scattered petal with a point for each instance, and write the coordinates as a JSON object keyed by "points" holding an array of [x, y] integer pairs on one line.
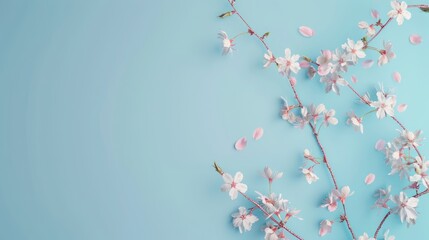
{"points": [[240, 144], [374, 14], [354, 79], [415, 39], [379, 145], [306, 31], [257, 134], [367, 63], [397, 77], [369, 179], [304, 64], [402, 107]]}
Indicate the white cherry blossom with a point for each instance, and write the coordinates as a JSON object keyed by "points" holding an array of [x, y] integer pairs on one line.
{"points": [[243, 220], [309, 175], [288, 63], [233, 185], [399, 11], [269, 58], [384, 105], [354, 50], [227, 43], [329, 118], [268, 174], [332, 82], [355, 121], [365, 237], [406, 207]]}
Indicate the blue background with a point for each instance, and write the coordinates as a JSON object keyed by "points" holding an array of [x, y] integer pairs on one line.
{"points": [[112, 113]]}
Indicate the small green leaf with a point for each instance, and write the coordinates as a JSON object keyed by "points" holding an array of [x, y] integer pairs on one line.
{"points": [[227, 14], [265, 35]]}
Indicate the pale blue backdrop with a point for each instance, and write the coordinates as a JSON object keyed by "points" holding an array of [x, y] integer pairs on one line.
{"points": [[112, 112]]}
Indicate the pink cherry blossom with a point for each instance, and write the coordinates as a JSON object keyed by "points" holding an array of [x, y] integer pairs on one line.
{"points": [[243, 220], [399, 11], [330, 203], [226, 42], [233, 185], [386, 54], [324, 62], [325, 227], [343, 194]]}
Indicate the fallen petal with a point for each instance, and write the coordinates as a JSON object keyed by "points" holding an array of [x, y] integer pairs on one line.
{"points": [[354, 79], [369, 179], [367, 63], [402, 107], [257, 134], [374, 14], [379, 145], [415, 39], [306, 31], [397, 77], [240, 144]]}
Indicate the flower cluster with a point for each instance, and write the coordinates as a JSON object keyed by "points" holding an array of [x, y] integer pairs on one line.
{"points": [[331, 67]]}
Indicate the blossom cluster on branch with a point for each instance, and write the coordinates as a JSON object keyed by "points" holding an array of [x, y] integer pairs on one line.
{"points": [[402, 154]]}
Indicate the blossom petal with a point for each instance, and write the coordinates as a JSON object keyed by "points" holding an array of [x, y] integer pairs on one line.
{"points": [[379, 145], [257, 134], [369, 179], [415, 39], [306, 31], [374, 14], [402, 107], [240, 144], [367, 63], [354, 79], [304, 64], [397, 77]]}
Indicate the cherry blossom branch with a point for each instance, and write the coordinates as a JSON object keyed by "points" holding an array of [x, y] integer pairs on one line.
{"points": [[280, 224], [231, 2], [417, 195], [315, 134], [379, 31], [367, 102]]}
